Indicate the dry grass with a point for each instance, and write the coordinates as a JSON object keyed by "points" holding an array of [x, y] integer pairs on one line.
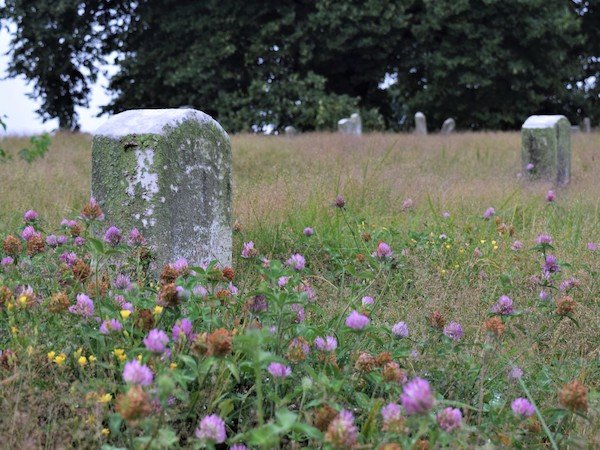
{"points": [[274, 176]]}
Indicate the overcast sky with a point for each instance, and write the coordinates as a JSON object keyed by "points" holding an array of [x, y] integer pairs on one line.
{"points": [[20, 109]]}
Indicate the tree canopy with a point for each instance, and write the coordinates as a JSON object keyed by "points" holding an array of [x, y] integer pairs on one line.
{"points": [[252, 64]]}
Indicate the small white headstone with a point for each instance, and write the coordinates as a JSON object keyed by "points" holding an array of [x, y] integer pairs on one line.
{"points": [[420, 123], [351, 125], [448, 126]]}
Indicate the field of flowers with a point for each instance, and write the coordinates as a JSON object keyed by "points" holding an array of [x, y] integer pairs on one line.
{"points": [[346, 321]]}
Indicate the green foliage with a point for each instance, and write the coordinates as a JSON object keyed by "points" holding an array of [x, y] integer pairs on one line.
{"points": [[222, 365], [486, 63], [38, 147], [3, 155]]}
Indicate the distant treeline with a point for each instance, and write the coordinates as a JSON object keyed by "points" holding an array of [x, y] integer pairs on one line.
{"points": [[487, 63]]}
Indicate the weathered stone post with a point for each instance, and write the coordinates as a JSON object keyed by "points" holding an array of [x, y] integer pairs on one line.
{"points": [[546, 148], [420, 123], [448, 126], [168, 173], [587, 125], [290, 131], [351, 125]]}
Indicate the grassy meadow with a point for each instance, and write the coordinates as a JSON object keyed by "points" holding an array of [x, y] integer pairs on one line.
{"points": [[445, 268]]}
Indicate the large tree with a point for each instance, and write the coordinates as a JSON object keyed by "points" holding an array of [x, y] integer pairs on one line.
{"points": [[253, 64], [487, 63], [58, 46]]}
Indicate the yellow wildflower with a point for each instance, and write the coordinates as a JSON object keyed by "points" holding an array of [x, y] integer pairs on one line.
{"points": [[125, 313], [59, 359], [493, 242], [105, 398], [495, 247], [173, 366], [82, 361], [105, 431], [92, 358], [22, 301], [482, 241], [14, 330], [120, 354], [158, 309], [51, 355]]}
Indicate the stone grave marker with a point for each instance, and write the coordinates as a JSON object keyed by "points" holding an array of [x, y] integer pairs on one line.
{"points": [[290, 131], [351, 125], [448, 126], [420, 123], [167, 172], [546, 148], [587, 125]]}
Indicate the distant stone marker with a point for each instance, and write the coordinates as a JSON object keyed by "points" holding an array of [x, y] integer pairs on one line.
{"points": [[448, 126], [290, 131], [352, 125], [168, 173], [546, 148], [575, 129], [587, 125], [420, 123]]}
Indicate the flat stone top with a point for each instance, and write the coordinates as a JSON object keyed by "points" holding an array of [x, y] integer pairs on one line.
{"points": [[150, 121], [542, 121], [419, 114]]}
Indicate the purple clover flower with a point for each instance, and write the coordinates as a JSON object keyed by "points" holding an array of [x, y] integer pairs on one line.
{"points": [[136, 238], [417, 397], [391, 413], [211, 428], [550, 265], [112, 236], [367, 301], [516, 245], [122, 282], [522, 407], [137, 373], [308, 231], [279, 370], [543, 239], [69, 258], [383, 251], [454, 331], [30, 216], [299, 310], [550, 196], [29, 233], [79, 241], [296, 261], [592, 246], [248, 250], [357, 321], [156, 341], [7, 261], [515, 373], [182, 329], [258, 304], [342, 432], [529, 167], [449, 419], [400, 330], [407, 204], [110, 325], [489, 213], [83, 307], [326, 344], [503, 306]]}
